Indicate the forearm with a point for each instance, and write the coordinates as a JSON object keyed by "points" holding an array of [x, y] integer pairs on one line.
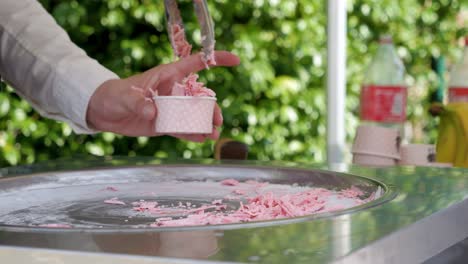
{"points": [[38, 59]]}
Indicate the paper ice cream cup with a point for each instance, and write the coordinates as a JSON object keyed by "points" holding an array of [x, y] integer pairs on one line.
{"points": [[417, 154], [379, 141], [371, 160], [184, 114]]}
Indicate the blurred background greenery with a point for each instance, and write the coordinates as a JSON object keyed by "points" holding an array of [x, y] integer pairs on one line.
{"points": [[274, 101]]}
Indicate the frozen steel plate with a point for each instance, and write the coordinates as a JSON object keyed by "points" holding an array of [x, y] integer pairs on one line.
{"points": [[104, 199], [417, 212]]}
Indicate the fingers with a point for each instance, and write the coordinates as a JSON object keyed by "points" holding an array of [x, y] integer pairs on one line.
{"points": [[217, 122], [136, 103], [215, 134], [194, 62], [217, 116], [149, 111], [151, 84]]}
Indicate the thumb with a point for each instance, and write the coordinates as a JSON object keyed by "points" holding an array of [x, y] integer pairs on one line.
{"points": [[140, 105]]}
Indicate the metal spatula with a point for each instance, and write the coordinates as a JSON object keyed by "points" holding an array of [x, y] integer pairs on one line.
{"points": [[204, 19]]}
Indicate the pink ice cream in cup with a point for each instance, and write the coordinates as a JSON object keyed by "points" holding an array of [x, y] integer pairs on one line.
{"points": [[188, 110]]}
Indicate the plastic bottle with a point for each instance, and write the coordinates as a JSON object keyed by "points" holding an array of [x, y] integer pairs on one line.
{"points": [[458, 83], [384, 92]]}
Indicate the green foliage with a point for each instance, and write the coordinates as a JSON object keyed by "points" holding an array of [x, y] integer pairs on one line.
{"points": [[275, 101]]}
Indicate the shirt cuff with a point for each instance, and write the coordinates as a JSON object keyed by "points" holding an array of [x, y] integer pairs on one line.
{"points": [[73, 94]]}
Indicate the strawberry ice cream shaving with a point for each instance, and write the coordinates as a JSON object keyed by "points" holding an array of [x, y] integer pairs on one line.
{"points": [[209, 58], [153, 207], [352, 192], [190, 87], [257, 201], [114, 200], [239, 192], [230, 182], [147, 93], [267, 206], [143, 206], [150, 93], [180, 45], [178, 89]]}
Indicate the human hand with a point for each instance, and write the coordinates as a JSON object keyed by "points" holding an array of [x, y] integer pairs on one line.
{"points": [[117, 107]]}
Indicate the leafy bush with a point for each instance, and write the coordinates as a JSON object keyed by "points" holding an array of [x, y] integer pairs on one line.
{"points": [[275, 101]]}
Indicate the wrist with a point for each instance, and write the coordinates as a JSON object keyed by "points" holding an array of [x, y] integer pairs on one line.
{"points": [[96, 104]]}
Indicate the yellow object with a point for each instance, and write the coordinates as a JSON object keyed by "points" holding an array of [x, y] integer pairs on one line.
{"points": [[452, 143]]}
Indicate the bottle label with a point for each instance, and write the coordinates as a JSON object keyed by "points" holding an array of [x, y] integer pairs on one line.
{"points": [[458, 94], [386, 104]]}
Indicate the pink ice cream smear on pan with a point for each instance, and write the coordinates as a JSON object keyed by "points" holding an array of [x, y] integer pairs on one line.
{"points": [[230, 201], [267, 206], [257, 204]]}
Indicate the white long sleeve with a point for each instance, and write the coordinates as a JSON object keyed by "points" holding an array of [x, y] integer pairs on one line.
{"points": [[39, 60]]}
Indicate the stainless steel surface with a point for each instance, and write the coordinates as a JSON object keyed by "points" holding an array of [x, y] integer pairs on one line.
{"points": [[456, 254], [427, 216], [13, 255], [77, 197]]}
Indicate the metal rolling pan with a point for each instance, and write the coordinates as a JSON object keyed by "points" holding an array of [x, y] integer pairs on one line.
{"points": [[418, 213]]}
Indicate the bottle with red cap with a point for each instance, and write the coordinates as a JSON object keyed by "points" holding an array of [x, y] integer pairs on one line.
{"points": [[458, 83], [384, 92]]}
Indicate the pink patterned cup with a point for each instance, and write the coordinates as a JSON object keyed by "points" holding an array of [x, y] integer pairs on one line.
{"points": [[184, 114]]}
